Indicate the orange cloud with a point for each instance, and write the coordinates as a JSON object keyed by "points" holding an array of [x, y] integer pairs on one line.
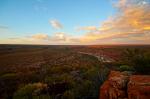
{"points": [[87, 28], [131, 22], [40, 36]]}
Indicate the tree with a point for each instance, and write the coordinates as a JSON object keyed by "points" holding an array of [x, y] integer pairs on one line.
{"points": [[138, 59]]}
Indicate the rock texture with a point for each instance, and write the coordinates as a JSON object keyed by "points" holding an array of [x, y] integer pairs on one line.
{"points": [[139, 87], [115, 86], [123, 85]]}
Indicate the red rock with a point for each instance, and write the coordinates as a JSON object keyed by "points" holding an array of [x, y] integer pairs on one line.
{"points": [[104, 90], [119, 85], [139, 87], [115, 86], [119, 81]]}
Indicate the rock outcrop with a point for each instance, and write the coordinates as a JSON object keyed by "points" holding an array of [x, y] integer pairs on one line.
{"points": [[115, 86], [123, 85], [139, 87]]}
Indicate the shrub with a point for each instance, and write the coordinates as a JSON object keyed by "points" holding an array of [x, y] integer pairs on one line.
{"points": [[59, 78], [103, 74], [139, 60], [142, 64], [125, 68], [29, 90], [8, 84], [68, 95]]}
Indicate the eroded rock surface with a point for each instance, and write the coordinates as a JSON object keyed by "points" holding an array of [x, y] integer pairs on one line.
{"points": [[123, 85], [139, 87], [115, 86]]}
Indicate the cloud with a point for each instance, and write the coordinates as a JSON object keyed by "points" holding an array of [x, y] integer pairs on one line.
{"points": [[130, 23], [56, 24], [87, 28], [64, 38], [40, 36], [4, 27], [43, 38], [120, 3], [56, 37], [60, 36]]}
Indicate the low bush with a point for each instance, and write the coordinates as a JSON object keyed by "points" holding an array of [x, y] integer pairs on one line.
{"points": [[29, 90], [125, 68]]}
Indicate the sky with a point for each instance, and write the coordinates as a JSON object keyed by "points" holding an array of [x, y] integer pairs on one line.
{"points": [[74, 22]]}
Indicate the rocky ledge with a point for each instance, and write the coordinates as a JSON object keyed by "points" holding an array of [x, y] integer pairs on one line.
{"points": [[123, 85]]}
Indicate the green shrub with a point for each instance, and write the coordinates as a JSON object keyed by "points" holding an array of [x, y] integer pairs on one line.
{"points": [[125, 68], [29, 90]]}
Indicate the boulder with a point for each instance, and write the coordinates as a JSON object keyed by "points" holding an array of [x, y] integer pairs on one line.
{"points": [[139, 87], [123, 85], [115, 86], [118, 79]]}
